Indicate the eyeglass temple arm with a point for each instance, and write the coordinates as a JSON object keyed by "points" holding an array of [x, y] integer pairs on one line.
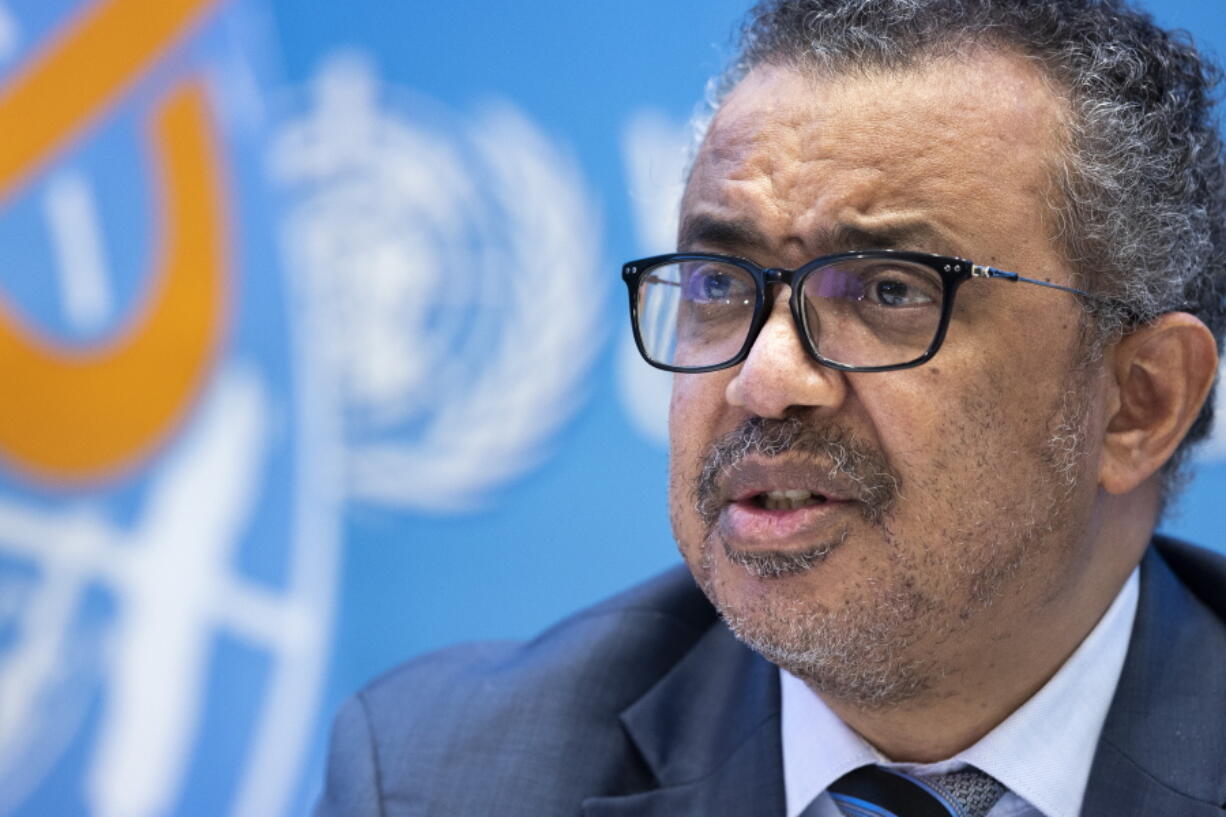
{"points": [[980, 271]]}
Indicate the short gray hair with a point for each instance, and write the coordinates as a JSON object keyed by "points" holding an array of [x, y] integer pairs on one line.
{"points": [[1141, 205]]}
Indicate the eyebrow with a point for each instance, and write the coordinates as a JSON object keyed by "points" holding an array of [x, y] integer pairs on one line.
{"points": [[901, 235], [704, 230], [735, 235]]}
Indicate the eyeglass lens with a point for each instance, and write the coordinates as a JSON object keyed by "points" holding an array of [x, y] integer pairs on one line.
{"points": [[857, 312]]}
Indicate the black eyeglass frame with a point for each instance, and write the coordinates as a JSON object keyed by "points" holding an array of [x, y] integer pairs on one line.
{"points": [[953, 271]]}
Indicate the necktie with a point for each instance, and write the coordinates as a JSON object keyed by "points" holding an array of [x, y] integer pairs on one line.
{"points": [[874, 791]]}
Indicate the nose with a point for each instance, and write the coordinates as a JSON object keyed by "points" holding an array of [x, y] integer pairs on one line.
{"points": [[779, 376]]}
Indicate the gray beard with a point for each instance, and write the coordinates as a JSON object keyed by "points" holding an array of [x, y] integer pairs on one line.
{"points": [[843, 654], [863, 652]]}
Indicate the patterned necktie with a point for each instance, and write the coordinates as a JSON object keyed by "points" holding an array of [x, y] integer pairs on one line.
{"points": [[874, 791]]}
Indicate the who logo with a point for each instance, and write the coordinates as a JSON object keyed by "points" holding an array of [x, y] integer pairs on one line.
{"points": [[450, 272], [168, 525], [220, 329]]}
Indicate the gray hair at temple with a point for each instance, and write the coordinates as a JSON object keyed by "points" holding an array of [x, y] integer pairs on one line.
{"points": [[1139, 198]]}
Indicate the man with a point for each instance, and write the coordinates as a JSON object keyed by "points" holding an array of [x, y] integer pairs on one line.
{"points": [[945, 319]]}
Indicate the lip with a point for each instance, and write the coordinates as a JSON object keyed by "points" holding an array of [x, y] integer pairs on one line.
{"points": [[751, 477], [747, 525]]}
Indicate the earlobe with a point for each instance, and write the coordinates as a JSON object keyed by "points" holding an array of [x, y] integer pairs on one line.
{"points": [[1162, 372]]}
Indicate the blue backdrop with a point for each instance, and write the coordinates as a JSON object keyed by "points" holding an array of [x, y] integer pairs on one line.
{"points": [[404, 411]]}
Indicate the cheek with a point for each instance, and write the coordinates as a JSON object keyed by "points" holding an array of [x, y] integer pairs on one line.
{"points": [[908, 416], [694, 415], [972, 449], [694, 421], [949, 432]]}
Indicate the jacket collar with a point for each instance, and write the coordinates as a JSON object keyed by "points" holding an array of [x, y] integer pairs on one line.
{"points": [[709, 732], [1162, 745]]}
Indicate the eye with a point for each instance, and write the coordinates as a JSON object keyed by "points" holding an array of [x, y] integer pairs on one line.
{"points": [[898, 288], [715, 286], [716, 283]]}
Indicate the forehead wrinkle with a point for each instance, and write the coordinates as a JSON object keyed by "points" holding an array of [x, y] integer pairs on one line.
{"points": [[748, 156], [851, 208], [876, 178], [740, 236], [852, 204], [1015, 116], [798, 174]]}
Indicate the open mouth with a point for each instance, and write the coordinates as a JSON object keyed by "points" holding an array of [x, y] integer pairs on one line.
{"points": [[789, 500]]}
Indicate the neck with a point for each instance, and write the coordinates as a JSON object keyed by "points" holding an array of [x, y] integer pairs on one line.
{"points": [[998, 664]]}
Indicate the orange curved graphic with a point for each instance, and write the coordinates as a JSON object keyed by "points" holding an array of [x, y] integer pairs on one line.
{"points": [[73, 415], [71, 81]]}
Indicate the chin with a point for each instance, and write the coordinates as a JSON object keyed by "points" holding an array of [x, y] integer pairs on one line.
{"points": [[860, 645]]}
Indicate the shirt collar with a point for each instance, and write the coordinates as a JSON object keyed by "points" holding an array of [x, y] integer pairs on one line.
{"points": [[1048, 767]]}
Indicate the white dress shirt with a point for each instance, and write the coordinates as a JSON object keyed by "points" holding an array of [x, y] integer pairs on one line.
{"points": [[1041, 753]]}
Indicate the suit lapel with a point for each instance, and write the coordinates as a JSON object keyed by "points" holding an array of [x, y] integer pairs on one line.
{"points": [[1162, 745], [709, 732], [709, 729]]}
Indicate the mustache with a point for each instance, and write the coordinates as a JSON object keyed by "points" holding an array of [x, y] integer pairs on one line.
{"points": [[875, 485]]}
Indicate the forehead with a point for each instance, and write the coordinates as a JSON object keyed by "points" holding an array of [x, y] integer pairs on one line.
{"points": [[948, 151]]}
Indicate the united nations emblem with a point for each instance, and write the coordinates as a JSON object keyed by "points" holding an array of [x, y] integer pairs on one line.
{"points": [[452, 265]]}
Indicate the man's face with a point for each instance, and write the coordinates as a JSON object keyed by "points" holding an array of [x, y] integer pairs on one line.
{"points": [[936, 512]]}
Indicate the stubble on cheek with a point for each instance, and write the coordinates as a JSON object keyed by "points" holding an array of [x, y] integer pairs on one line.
{"points": [[686, 533], [863, 647], [989, 510], [852, 643]]}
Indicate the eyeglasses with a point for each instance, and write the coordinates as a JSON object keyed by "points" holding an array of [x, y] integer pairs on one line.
{"points": [[867, 311]]}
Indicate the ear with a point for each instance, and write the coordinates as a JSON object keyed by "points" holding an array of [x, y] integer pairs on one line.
{"points": [[1162, 374]]}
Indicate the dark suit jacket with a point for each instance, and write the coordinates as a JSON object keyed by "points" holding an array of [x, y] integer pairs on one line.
{"points": [[646, 705]]}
